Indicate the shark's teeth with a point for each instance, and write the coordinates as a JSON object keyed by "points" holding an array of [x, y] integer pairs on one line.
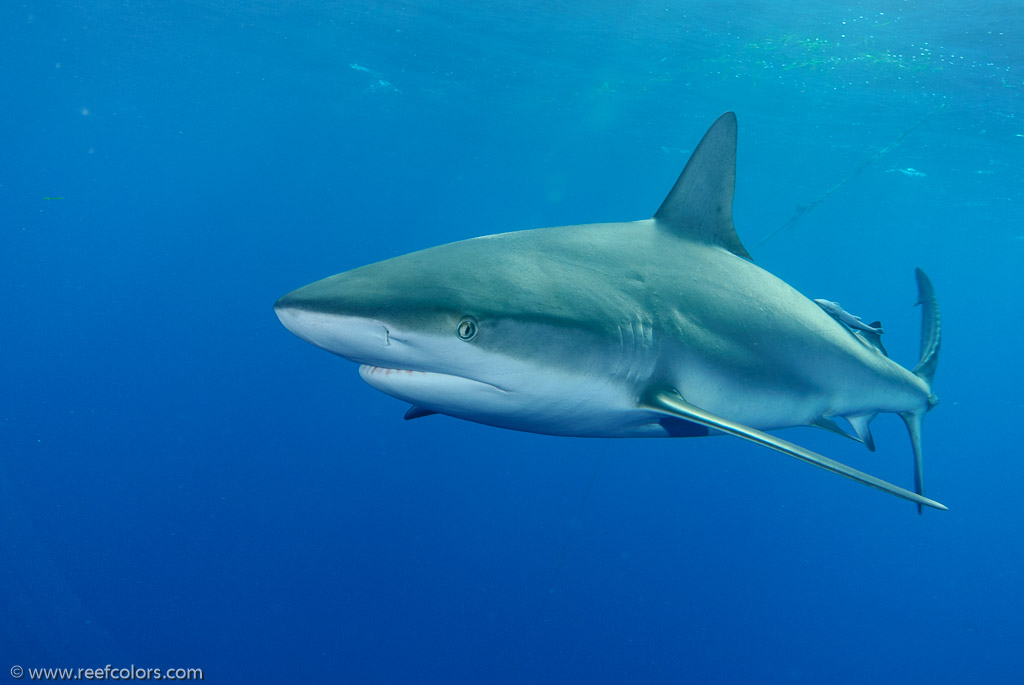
{"points": [[368, 371], [378, 370]]}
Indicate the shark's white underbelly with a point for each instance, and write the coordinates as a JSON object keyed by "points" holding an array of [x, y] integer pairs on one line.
{"points": [[548, 402]]}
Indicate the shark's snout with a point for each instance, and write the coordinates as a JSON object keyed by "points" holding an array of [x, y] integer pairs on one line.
{"points": [[285, 309], [319, 321], [290, 315], [297, 312], [310, 298], [286, 302]]}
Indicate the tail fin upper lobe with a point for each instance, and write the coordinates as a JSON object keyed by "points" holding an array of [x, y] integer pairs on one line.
{"points": [[931, 337], [931, 329]]}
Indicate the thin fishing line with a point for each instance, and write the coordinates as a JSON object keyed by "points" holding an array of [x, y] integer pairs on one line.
{"points": [[856, 172]]}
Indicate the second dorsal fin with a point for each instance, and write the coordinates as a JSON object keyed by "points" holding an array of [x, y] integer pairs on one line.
{"points": [[699, 206], [874, 339]]}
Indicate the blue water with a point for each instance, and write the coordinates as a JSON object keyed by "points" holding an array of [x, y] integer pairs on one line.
{"points": [[183, 483]]}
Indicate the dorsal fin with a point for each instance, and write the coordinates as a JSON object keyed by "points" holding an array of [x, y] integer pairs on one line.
{"points": [[699, 207]]}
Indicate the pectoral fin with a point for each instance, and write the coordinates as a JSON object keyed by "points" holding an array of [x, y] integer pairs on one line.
{"points": [[416, 412], [673, 404]]}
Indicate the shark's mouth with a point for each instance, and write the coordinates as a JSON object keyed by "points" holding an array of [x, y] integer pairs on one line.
{"points": [[399, 382]]}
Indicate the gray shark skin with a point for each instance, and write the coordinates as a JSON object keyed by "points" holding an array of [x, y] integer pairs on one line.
{"points": [[655, 328]]}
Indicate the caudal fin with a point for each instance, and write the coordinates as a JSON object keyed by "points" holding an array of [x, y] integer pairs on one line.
{"points": [[931, 337], [931, 330]]}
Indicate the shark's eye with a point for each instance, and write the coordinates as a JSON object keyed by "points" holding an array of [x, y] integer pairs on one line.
{"points": [[466, 329]]}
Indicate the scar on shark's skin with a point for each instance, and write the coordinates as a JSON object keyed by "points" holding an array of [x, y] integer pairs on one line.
{"points": [[839, 314], [645, 329]]}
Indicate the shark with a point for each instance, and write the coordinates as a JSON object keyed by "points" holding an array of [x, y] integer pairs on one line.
{"points": [[662, 327]]}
